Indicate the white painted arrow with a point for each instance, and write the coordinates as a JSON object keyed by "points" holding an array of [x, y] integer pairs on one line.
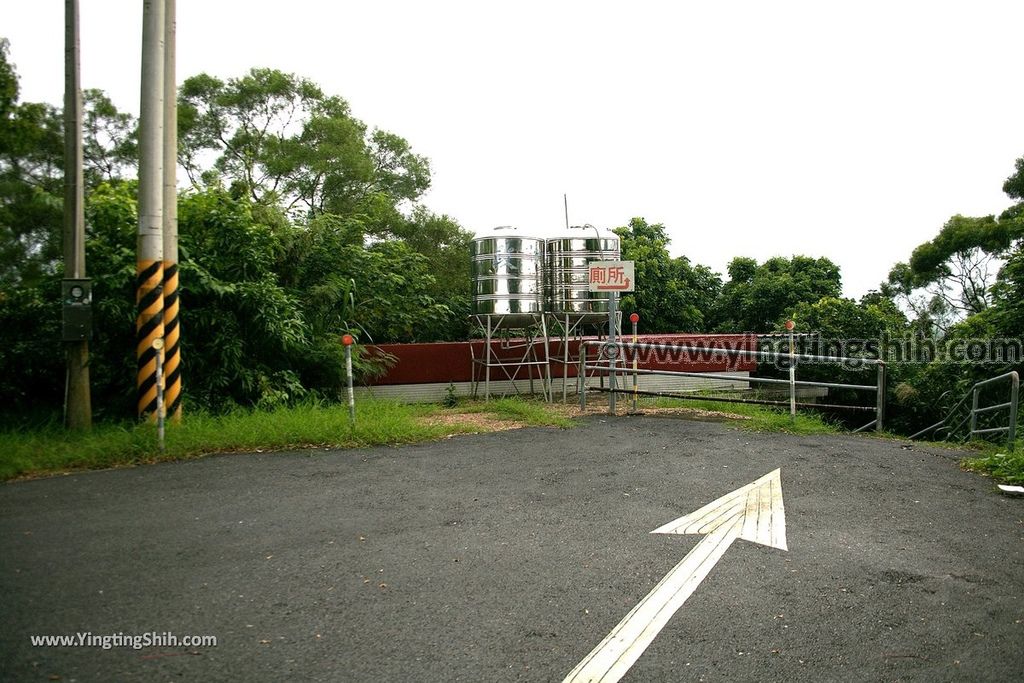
{"points": [[753, 512]]}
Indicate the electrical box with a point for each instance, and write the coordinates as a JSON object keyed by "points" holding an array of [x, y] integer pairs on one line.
{"points": [[76, 300]]}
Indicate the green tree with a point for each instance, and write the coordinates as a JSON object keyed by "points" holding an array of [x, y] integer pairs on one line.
{"points": [[31, 183], [757, 296], [8, 81], [266, 293], [280, 139], [840, 319], [672, 294], [961, 271], [1014, 185], [382, 291], [1008, 290], [950, 277], [960, 303], [445, 245], [244, 327], [31, 172], [110, 146]]}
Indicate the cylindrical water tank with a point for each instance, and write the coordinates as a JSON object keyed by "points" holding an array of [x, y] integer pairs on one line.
{"points": [[566, 276], [508, 272]]}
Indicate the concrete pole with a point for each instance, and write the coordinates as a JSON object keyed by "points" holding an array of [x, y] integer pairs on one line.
{"points": [[172, 330], [149, 260], [79, 402]]}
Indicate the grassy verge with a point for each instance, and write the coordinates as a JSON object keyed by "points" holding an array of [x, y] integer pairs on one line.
{"points": [[757, 417], [52, 449], [998, 462]]}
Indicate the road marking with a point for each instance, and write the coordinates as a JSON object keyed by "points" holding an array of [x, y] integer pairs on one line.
{"points": [[753, 512]]}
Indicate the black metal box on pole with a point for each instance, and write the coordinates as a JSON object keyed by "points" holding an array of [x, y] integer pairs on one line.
{"points": [[76, 306]]}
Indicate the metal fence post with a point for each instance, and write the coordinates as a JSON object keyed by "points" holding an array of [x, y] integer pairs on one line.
{"points": [[792, 372], [974, 413], [487, 362], [880, 400], [581, 377], [1011, 434], [565, 354]]}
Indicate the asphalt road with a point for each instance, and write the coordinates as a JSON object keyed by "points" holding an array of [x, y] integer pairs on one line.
{"points": [[509, 556]]}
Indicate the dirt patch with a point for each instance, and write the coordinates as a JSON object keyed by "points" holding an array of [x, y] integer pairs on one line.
{"points": [[599, 406], [486, 422], [479, 422]]}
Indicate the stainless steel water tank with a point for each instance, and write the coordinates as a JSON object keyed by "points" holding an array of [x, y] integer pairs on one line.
{"points": [[566, 276], [508, 272]]}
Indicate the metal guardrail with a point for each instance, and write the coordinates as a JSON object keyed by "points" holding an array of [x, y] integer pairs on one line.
{"points": [[974, 393], [610, 351]]}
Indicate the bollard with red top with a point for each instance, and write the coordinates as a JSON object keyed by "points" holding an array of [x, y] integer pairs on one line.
{"points": [[347, 340]]}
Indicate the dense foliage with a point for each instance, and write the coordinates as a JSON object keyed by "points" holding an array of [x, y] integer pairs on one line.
{"points": [[758, 295], [300, 225]]}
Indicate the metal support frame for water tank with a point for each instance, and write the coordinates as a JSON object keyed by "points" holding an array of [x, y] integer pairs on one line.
{"points": [[513, 332], [570, 328]]}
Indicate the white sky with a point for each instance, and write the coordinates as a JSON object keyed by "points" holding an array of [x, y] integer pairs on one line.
{"points": [[848, 130]]}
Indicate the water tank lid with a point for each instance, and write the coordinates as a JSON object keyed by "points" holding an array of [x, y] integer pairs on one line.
{"points": [[504, 231], [584, 231]]}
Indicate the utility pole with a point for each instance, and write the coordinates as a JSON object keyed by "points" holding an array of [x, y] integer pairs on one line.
{"points": [[172, 330], [149, 324], [78, 411]]}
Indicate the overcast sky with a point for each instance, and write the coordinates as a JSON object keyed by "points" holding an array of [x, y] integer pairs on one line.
{"points": [[848, 130]]}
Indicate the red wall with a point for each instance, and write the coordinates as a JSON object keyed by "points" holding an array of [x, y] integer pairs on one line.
{"points": [[451, 361]]}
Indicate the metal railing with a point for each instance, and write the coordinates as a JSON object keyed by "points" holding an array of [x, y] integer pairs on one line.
{"points": [[610, 351], [971, 418]]}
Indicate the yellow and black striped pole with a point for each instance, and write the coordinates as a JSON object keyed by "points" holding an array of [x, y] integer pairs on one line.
{"points": [[172, 341], [172, 329], [149, 324]]}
